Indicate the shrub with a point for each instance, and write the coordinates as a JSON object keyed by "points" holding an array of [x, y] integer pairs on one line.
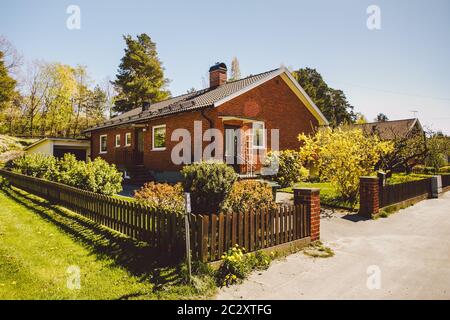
{"points": [[209, 184], [445, 169], [102, 177], [35, 165], [290, 169], [162, 196], [342, 156], [420, 169], [96, 176], [247, 194]]}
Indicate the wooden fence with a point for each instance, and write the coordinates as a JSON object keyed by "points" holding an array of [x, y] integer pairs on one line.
{"points": [[162, 230], [445, 180], [395, 193], [211, 234], [214, 234]]}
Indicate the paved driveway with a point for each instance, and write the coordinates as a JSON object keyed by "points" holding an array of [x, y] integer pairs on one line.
{"points": [[410, 251]]}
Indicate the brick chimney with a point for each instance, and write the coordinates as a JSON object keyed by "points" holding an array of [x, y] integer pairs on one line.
{"points": [[217, 75]]}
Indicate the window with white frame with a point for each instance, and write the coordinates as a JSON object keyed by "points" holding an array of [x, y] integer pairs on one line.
{"points": [[128, 139], [103, 148], [258, 135], [117, 140], [159, 137]]}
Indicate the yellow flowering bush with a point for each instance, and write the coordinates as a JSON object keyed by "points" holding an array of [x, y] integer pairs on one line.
{"points": [[342, 156]]}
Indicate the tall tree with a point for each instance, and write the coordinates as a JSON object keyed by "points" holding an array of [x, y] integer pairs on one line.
{"points": [[381, 117], [235, 69], [332, 102], [140, 76], [7, 84]]}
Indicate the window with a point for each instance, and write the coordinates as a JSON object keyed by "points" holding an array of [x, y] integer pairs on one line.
{"points": [[117, 140], [103, 143], [128, 139], [159, 137], [258, 135]]}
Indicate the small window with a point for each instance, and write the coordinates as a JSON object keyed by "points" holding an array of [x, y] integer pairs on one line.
{"points": [[258, 135], [117, 140], [103, 143], [128, 139], [159, 137]]}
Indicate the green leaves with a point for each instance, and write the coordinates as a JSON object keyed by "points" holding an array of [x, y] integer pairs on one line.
{"points": [[140, 77]]}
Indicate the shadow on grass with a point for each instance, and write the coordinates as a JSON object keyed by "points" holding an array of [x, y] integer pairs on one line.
{"points": [[136, 257]]}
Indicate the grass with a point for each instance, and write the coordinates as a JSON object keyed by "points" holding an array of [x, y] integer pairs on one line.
{"points": [[317, 250], [328, 195], [39, 241]]}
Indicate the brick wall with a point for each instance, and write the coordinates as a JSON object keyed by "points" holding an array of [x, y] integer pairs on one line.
{"points": [[311, 198]]}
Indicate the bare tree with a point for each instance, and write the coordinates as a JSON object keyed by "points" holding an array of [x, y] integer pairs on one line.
{"points": [[13, 59], [235, 69]]}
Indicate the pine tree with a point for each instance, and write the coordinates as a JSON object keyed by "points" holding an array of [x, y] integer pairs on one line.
{"points": [[140, 76], [7, 84]]}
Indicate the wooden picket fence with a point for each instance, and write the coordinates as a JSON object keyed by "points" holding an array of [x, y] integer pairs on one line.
{"points": [[395, 193], [215, 234], [162, 230], [211, 234]]}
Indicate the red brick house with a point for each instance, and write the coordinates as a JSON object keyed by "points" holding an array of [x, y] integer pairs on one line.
{"points": [[140, 140]]}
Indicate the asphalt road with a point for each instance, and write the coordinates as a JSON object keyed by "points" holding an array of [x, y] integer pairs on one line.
{"points": [[404, 256]]}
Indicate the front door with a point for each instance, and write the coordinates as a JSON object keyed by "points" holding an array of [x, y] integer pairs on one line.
{"points": [[139, 147], [231, 146]]}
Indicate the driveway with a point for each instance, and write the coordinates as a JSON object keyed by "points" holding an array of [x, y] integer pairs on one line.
{"points": [[404, 256]]}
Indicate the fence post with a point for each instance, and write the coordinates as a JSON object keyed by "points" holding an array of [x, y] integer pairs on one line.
{"points": [[369, 197], [311, 198]]}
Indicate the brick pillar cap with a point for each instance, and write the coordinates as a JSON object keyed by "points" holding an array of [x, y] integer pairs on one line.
{"points": [[368, 178], [307, 190]]}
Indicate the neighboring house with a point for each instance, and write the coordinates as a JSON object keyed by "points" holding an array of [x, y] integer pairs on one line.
{"points": [[394, 129], [141, 139], [57, 147]]}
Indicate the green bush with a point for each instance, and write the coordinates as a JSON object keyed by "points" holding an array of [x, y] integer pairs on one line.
{"points": [[35, 165], [247, 194], [162, 196], [423, 169], [290, 169], [96, 176], [209, 184], [445, 169]]}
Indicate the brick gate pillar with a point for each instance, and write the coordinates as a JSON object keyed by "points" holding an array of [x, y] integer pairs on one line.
{"points": [[369, 202], [311, 198]]}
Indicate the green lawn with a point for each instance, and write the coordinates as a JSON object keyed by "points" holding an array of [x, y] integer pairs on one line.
{"points": [[40, 241], [328, 195]]}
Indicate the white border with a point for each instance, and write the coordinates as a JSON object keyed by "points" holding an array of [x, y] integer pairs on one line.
{"points": [[115, 141], [263, 136], [127, 143]]}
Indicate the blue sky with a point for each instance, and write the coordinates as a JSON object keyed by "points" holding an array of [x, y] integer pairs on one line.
{"points": [[402, 67]]}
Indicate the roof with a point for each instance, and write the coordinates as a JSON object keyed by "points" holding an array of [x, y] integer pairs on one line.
{"points": [[57, 139], [209, 97], [390, 129]]}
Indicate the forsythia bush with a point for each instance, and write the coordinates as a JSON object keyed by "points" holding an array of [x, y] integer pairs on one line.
{"points": [[290, 169], [209, 183], [96, 176], [247, 194], [342, 156], [162, 196]]}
